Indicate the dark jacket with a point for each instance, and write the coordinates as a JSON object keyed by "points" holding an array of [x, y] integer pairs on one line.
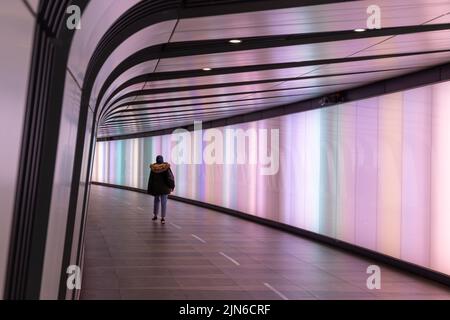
{"points": [[161, 179]]}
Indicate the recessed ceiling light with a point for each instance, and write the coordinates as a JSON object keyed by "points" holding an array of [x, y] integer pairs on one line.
{"points": [[359, 30], [206, 69], [234, 41]]}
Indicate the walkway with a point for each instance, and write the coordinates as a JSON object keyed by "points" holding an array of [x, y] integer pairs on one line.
{"points": [[203, 254]]}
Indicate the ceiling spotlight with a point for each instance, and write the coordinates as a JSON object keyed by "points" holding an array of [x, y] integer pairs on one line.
{"points": [[206, 69], [235, 41], [360, 30]]}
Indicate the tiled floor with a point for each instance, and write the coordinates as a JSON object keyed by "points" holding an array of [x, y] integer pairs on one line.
{"points": [[203, 254]]}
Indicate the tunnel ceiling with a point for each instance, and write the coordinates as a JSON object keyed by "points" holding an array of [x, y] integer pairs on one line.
{"points": [[180, 70]]}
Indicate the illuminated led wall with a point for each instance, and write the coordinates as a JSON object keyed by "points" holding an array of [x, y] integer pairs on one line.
{"points": [[375, 173]]}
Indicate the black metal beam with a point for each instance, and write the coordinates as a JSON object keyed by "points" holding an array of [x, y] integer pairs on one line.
{"points": [[146, 92], [261, 67], [417, 79], [201, 47]]}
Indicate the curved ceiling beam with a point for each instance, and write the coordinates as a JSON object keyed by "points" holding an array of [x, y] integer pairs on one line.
{"points": [[172, 119], [399, 83], [207, 12], [147, 92], [123, 113], [263, 67], [143, 116], [183, 111], [147, 13], [189, 48]]}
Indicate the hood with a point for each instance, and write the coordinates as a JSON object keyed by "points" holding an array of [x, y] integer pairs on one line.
{"points": [[159, 167]]}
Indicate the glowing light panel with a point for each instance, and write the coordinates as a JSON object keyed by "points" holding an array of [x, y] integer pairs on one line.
{"points": [[374, 173]]}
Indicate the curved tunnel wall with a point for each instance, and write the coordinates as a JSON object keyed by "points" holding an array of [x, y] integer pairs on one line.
{"points": [[317, 197], [56, 194], [16, 22], [373, 173]]}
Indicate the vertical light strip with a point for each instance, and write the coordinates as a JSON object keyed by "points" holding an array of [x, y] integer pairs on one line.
{"points": [[135, 162], [252, 174], [440, 179], [226, 172], [346, 148], [389, 173], [366, 173], [416, 176], [328, 165], [111, 164], [294, 161], [287, 186], [312, 170], [142, 172]]}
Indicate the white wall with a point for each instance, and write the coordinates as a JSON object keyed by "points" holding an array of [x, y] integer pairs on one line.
{"points": [[16, 36]]}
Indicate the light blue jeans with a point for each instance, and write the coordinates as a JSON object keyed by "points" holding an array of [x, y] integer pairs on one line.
{"points": [[163, 199]]}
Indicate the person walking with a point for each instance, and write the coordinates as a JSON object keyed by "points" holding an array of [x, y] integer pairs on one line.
{"points": [[160, 184]]}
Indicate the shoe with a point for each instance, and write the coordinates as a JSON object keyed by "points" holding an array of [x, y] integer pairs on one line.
{"points": [[155, 218], [163, 221]]}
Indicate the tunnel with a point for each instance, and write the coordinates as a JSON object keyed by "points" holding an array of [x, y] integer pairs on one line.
{"points": [[305, 148]]}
